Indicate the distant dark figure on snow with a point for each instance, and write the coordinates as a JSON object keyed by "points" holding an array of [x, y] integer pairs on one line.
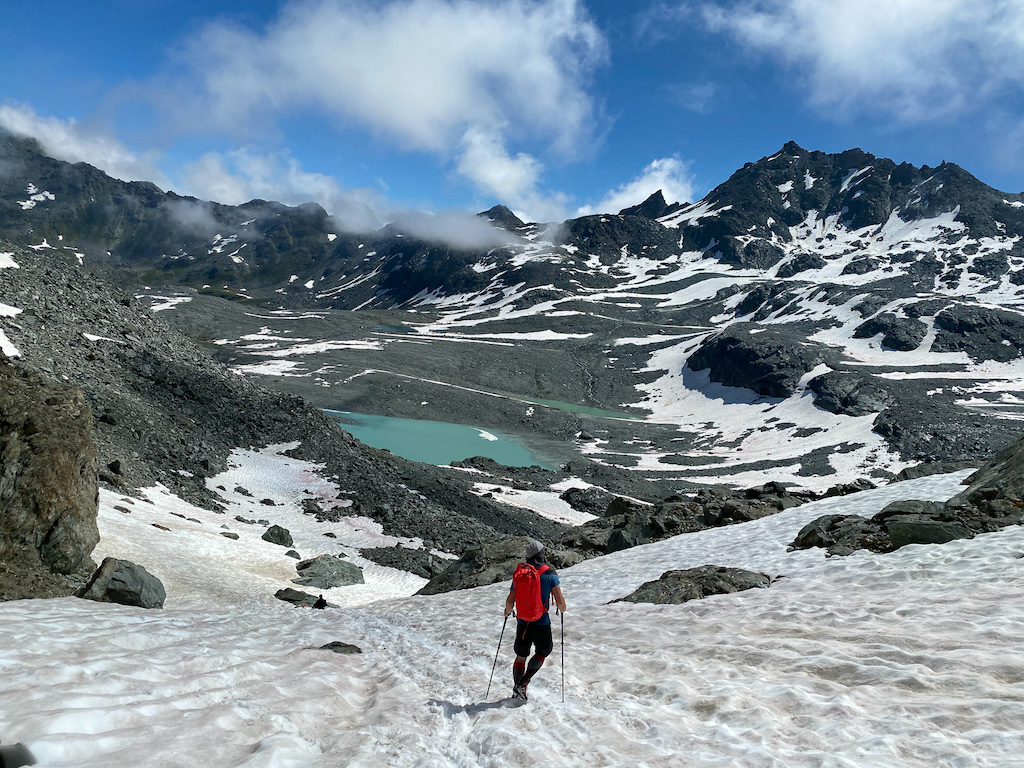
{"points": [[320, 602], [533, 585]]}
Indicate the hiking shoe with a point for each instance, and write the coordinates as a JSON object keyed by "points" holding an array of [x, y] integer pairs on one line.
{"points": [[519, 692]]}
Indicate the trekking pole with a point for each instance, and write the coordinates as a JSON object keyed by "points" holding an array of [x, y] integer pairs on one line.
{"points": [[495, 665], [561, 619]]}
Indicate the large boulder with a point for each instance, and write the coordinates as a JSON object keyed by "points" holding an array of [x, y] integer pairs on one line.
{"points": [[275, 534], [49, 494], [124, 582], [418, 561], [676, 587], [771, 361], [491, 562], [852, 394], [327, 572]]}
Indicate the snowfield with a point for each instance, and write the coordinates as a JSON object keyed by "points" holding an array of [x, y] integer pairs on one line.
{"points": [[912, 658]]}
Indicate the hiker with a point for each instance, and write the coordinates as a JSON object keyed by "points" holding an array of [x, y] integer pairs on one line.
{"points": [[531, 602], [320, 602]]}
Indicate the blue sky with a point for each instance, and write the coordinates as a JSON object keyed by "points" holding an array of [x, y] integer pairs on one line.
{"points": [[553, 107]]}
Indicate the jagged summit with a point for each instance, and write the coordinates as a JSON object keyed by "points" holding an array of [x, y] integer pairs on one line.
{"points": [[502, 217], [654, 207]]}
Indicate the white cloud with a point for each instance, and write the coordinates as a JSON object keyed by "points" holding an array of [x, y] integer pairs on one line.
{"points": [[74, 142], [458, 78], [241, 175], [669, 174], [513, 180], [456, 228], [915, 59]]}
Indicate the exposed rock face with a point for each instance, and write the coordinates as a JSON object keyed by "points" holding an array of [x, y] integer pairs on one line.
{"points": [[326, 572], [994, 500], [48, 474], [124, 582], [489, 563], [770, 362], [417, 561], [295, 597], [275, 534], [654, 207], [984, 333], [676, 587], [902, 333], [933, 468], [626, 524], [850, 393], [339, 647]]}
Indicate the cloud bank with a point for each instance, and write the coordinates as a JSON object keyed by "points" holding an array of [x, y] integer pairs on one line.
{"points": [[74, 142], [462, 79], [914, 59]]}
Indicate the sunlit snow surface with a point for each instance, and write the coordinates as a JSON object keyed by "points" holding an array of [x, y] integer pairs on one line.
{"points": [[912, 658]]}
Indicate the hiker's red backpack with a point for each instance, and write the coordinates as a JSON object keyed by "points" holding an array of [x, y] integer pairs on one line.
{"points": [[526, 588]]}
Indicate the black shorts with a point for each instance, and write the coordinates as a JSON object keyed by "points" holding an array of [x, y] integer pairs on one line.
{"points": [[538, 635]]}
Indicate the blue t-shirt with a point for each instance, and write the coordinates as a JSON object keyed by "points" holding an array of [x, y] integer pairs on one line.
{"points": [[548, 581]]}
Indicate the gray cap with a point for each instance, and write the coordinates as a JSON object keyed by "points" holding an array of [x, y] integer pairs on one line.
{"points": [[533, 549]]}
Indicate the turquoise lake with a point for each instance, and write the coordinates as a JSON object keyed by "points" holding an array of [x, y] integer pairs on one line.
{"points": [[433, 442]]}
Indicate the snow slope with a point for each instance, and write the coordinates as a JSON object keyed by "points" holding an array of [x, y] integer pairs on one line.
{"points": [[911, 658]]}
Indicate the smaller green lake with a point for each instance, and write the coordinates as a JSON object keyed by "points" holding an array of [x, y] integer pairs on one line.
{"points": [[433, 442]]}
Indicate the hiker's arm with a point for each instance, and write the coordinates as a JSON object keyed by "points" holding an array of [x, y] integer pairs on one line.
{"points": [[556, 592], [510, 602]]}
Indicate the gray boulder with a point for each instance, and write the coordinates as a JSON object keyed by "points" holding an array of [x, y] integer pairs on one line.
{"points": [[770, 362], [275, 534], [489, 563], [327, 572], [295, 597], [49, 492], [418, 561], [125, 583], [676, 587], [908, 529], [339, 647]]}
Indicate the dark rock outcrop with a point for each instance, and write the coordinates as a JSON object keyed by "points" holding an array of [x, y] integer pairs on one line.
{"points": [[675, 587], [489, 563], [851, 394], [328, 571], [928, 468], [984, 333], [295, 597], [626, 524], [124, 582], [770, 362], [593, 501], [339, 647], [275, 534], [901, 333], [993, 500], [417, 561], [48, 471]]}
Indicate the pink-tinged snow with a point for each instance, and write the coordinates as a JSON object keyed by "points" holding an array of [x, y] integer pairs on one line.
{"points": [[907, 659]]}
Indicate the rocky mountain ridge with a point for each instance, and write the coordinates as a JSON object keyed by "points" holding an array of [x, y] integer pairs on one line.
{"points": [[817, 316]]}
